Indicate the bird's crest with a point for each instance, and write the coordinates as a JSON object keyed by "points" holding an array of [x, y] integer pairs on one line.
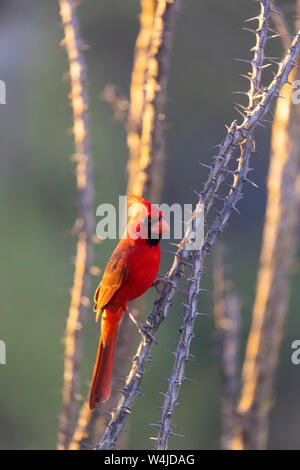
{"points": [[133, 199], [138, 206]]}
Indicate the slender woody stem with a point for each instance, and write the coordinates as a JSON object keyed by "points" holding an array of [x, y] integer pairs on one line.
{"points": [[144, 125], [84, 224], [233, 197]]}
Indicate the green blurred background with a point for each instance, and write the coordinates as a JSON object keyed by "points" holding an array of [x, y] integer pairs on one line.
{"points": [[38, 208]]}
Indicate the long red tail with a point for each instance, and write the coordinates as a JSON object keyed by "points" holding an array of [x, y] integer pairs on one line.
{"points": [[102, 377]]}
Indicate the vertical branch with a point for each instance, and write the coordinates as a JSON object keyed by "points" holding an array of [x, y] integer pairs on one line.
{"points": [[227, 323], [257, 64], [146, 172], [82, 429], [137, 93], [143, 122], [84, 224], [272, 293]]}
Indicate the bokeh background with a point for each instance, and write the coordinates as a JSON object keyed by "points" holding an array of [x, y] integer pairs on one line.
{"points": [[38, 209]]}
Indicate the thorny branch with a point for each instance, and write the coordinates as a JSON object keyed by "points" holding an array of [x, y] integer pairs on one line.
{"points": [[84, 224], [230, 201], [194, 290], [276, 261], [238, 135], [257, 64]]}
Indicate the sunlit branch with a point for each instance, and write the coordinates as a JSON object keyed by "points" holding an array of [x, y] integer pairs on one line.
{"points": [[84, 224], [143, 120], [137, 93], [149, 177]]}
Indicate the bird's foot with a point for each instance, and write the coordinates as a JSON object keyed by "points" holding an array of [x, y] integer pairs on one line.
{"points": [[142, 329]]}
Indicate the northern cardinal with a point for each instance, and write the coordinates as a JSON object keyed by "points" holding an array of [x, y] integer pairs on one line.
{"points": [[130, 271]]}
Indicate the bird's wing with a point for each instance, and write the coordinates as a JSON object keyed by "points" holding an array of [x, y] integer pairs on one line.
{"points": [[115, 275]]}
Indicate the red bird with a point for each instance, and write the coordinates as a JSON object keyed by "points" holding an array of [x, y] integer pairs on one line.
{"points": [[129, 273]]}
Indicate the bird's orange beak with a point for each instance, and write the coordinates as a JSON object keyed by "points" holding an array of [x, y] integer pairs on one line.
{"points": [[160, 227]]}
